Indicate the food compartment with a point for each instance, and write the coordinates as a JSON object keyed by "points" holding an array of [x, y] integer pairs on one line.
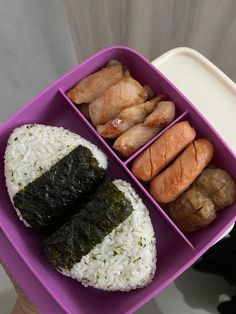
{"points": [[144, 76], [224, 159], [70, 294], [128, 163]]}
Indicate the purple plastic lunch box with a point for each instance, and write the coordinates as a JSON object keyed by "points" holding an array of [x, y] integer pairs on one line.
{"points": [[20, 248]]}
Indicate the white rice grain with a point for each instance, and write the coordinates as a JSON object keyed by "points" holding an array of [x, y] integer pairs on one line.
{"points": [[33, 149], [126, 258]]}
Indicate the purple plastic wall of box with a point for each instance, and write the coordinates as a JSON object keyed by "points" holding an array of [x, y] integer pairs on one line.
{"points": [[51, 291]]}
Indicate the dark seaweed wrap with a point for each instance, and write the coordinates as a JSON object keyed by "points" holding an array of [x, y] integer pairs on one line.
{"points": [[106, 208], [49, 197]]}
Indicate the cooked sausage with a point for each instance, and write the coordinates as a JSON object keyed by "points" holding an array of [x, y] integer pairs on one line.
{"points": [[127, 118], [148, 164], [162, 115], [126, 93], [95, 84], [173, 181], [134, 138]]}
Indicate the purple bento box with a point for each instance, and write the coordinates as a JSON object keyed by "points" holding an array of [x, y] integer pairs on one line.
{"points": [[20, 248]]}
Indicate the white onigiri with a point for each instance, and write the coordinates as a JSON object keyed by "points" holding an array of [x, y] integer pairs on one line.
{"points": [[33, 149], [126, 258]]}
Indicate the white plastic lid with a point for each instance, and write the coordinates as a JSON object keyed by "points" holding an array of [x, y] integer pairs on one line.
{"points": [[207, 87]]}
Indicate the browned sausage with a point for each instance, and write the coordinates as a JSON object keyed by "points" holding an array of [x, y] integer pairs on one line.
{"points": [[163, 151], [172, 182]]}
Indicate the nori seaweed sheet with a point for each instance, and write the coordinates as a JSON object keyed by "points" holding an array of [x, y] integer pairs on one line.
{"points": [[49, 197], [106, 208]]}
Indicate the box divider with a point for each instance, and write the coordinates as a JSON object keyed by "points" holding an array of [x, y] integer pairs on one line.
{"points": [[131, 158], [128, 172]]}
